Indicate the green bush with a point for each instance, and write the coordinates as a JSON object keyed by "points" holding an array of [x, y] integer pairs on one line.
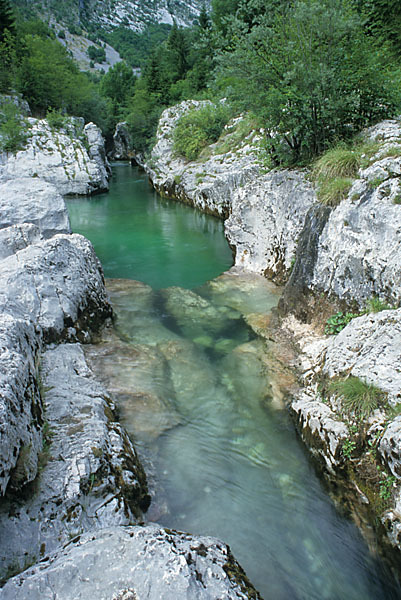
{"points": [[56, 119], [96, 54], [358, 397], [13, 135], [198, 128], [337, 322]]}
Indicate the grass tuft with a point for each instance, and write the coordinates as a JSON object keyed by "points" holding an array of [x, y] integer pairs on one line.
{"points": [[332, 191], [358, 397]]}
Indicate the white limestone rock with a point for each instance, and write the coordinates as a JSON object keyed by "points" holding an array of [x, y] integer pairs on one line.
{"points": [[17, 237], [135, 563], [21, 416], [58, 285], [33, 200], [92, 477], [60, 157], [122, 143], [207, 183], [359, 252], [267, 216], [369, 348]]}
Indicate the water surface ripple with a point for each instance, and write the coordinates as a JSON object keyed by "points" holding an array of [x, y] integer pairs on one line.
{"points": [[197, 390]]}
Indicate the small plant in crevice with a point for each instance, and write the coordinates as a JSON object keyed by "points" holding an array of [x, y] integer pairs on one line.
{"points": [[337, 322], [375, 182], [375, 305], [348, 447], [386, 484], [358, 397]]}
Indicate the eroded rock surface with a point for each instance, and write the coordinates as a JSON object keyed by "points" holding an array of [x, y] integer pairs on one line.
{"points": [[60, 156], [147, 562], [207, 183], [267, 216], [33, 200], [90, 477], [58, 285], [21, 416], [122, 143]]}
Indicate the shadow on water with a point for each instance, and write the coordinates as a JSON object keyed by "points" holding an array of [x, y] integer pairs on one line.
{"points": [[195, 388]]}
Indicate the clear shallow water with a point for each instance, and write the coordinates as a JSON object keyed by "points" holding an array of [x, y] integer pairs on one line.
{"points": [[198, 390], [138, 235]]}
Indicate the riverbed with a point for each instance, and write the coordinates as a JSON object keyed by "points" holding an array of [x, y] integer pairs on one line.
{"points": [[198, 392]]}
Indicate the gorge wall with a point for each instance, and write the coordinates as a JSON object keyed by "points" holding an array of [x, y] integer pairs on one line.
{"points": [[330, 259]]}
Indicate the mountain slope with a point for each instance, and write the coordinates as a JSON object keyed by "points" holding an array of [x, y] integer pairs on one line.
{"points": [[134, 14]]}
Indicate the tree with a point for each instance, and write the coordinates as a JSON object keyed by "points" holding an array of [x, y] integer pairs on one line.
{"points": [[310, 75], [178, 52], [7, 19], [118, 83]]}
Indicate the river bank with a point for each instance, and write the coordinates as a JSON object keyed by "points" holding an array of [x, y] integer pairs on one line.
{"points": [[331, 260]]}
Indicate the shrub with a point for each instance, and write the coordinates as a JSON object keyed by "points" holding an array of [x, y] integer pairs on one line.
{"points": [[199, 128], [358, 397], [96, 54], [13, 135], [61, 34], [56, 119], [337, 322], [337, 162], [375, 305], [332, 191]]}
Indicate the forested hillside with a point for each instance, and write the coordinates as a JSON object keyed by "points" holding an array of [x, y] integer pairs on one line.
{"points": [[310, 73]]}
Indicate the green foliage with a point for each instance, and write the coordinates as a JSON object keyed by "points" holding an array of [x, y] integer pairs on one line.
{"points": [[332, 191], [7, 19], [310, 74], [337, 322], [118, 83], [348, 447], [386, 485], [12, 128], [199, 128], [358, 397], [61, 34], [337, 162], [136, 48], [375, 305], [98, 55], [55, 118]]}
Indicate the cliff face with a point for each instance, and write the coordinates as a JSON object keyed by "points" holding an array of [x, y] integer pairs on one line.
{"points": [[71, 157], [328, 258]]}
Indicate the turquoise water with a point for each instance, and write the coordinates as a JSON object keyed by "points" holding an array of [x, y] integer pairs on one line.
{"points": [[138, 235], [201, 395]]}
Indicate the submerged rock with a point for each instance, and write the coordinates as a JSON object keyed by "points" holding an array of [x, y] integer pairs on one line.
{"points": [[195, 315], [133, 563], [137, 377], [90, 475], [33, 200]]}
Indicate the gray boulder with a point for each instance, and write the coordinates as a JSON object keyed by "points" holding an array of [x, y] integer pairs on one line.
{"points": [[33, 200], [21, 416], [17, 237], [59, 156], [122, 143], [132, 563], [90, 475], [267, 216], [58, 285]]}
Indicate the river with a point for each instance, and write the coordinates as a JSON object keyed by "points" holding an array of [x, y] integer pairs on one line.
{"points": [[196, 390]]}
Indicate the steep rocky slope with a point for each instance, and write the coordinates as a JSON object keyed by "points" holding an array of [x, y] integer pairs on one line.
{"points": [[329, 258], [135, 14]]}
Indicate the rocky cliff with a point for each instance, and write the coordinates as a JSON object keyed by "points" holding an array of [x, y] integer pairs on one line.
{"points": [[66, 465], [70, 156], [330, 258]]}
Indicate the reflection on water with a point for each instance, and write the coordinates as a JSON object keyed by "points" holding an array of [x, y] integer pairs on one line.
{"points": [[137, 235], [198, 392]]}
